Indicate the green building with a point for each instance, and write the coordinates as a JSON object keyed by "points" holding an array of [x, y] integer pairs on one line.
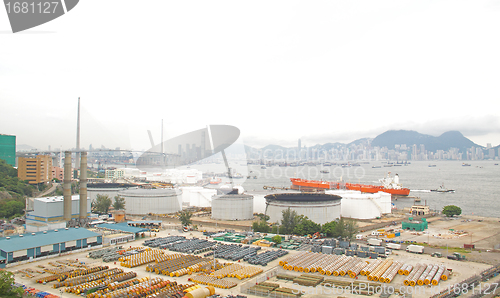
{"points": [[8, 149], [415, 225]]}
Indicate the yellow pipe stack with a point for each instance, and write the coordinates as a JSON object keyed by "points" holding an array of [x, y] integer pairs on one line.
{"points": [[438, 275], [368, 269], [420, 280], [375, 275]]}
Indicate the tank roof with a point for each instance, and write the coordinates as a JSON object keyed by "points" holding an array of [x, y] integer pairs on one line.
{"points": [[305, 197]]}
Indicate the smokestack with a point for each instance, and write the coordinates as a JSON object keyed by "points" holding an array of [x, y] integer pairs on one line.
{"points": [[83, 186], [77, 159], [67, 186]]}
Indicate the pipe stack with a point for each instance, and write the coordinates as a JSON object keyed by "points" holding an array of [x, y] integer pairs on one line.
{"points": [[390, 273], [430, 275], [368, 269], [445, 275], [377, 273], [356, 270], [337, 262], [420, 280], [413, 278], [438, 275]]}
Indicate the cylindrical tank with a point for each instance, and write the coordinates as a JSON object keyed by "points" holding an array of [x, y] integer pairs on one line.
{"points": [[106, 189], [232, 207], [318, 207], [157, 201]]}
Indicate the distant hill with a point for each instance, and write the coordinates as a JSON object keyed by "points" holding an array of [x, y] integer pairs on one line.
{"points": [[450, 139]]}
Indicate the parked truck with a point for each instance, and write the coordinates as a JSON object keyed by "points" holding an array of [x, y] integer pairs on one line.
{"points": [[418, 249], [393, 245], [373, 241]]}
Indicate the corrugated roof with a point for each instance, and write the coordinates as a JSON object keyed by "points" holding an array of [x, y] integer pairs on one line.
{"points": [[144, 221], [123, 227], [16, 243]]}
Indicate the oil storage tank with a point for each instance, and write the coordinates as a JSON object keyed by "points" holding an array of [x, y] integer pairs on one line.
{"points": [[318, 207], [157, 201], [106, 189], [363, 205], [232, 206]]}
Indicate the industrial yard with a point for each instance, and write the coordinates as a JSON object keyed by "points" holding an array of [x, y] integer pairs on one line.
{"points": [[291, 274]]}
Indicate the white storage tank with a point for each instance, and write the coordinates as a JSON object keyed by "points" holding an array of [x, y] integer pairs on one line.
{"points": [[318, 207], [157, 201], [106, 189], [196, 196], [363, 205], [232, 207]]}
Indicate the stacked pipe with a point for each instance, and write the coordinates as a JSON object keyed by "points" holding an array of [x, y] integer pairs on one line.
{"points": [[377, 273], [291, 258], [420, 280], [437, 276], [405, 269], [445, 275], [89, 277], [325, 262], [307, 264], [103, 282], [335, 265], [390, 273], [201, 292], [355, 271], [344, 269], [430, 275], [416, 268], [368, 269], [414, 278], [289, 262]]}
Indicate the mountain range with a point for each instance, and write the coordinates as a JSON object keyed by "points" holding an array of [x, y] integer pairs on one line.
{"points": [[391, 138]]}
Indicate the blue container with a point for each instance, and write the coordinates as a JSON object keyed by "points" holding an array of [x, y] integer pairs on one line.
{"points": [[397, 234]]}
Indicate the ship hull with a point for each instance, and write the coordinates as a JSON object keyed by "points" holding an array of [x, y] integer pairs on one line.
{"points": [[314, 184]]}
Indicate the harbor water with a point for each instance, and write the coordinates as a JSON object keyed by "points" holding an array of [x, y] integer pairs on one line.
{"points": [[477, 187]]}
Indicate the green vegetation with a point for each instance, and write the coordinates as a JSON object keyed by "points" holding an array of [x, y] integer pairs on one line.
{"points": [[261, 226], [119, 203], [452, 210], [185, 217], [6, 289], [277, 239], [12, 192], [292, 223], [12, 184], [101, 204]]}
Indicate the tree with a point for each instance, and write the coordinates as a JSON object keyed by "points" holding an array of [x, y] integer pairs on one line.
{"points": [[6, 288], [185, 217], [452, 210], [351, 229], [290, 219], [119, 203], [329, 228], [102, 204], [276, 239], [306, 227], [260, 226], [339, 230]]}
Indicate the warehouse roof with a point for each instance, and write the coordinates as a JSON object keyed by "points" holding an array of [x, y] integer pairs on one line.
{"points": [[123, 227], [39, 239], [144, 222]]}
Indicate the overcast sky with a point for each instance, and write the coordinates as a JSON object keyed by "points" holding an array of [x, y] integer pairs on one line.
{"points": [[321, 71]]}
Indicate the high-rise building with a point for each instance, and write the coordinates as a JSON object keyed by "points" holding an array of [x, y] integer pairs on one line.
{"points": [[36, 169], [8, 149]]}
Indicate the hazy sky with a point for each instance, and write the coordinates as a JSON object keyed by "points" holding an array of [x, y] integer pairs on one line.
{"points": [[322, 71]]}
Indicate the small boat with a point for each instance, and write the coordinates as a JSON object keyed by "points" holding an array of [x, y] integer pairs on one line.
{"points": [[376, 167], [263, 167], [432, 166], [324, 171], [215, 180], [466, 164], [443, 189]]}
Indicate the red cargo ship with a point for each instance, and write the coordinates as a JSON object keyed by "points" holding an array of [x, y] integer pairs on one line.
{"points": [[389, 185]]}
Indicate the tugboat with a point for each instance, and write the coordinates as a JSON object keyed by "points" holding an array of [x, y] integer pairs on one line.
{"points": [[442, 189]]}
